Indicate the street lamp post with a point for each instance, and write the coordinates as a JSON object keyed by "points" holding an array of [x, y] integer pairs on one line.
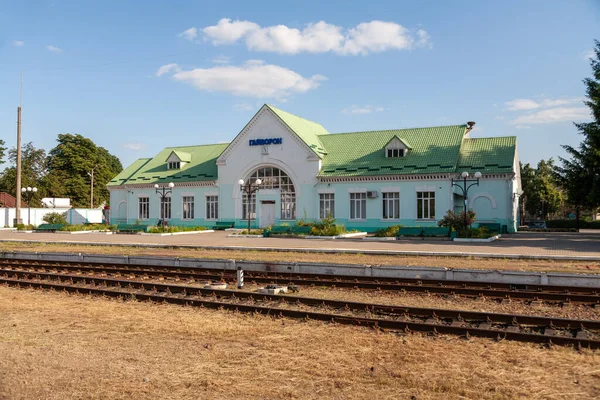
{"points": [[249, 188], [28, 192], [465, 188], [163, 192]]}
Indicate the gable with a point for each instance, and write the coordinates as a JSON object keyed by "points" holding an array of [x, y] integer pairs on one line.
{"points": [[179, 156], [267, 127]]}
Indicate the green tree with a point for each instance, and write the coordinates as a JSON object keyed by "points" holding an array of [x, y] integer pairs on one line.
{"points": [[33, 169], [541, 192], [70, 164], [2, 151], [580, 173]]}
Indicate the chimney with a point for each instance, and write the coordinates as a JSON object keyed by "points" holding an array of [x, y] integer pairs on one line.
{"points": [[470, 126]]}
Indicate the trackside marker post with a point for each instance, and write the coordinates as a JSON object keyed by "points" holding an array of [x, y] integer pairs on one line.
{"points": [[240, 277]]}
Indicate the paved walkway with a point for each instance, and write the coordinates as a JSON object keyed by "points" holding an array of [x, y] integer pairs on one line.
{"points": [[583, 245]]}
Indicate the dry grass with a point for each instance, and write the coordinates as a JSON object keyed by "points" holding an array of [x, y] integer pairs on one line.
{"points": [[363, 259], [59, 346]]}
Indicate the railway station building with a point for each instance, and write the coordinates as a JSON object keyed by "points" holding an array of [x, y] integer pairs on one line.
{"points": [[365, 180]]}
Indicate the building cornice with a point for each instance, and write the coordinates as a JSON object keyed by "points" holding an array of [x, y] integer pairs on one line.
{"points": [[151, 185]]}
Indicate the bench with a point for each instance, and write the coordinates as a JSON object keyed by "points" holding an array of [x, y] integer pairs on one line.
{"points": [[49, 227], [131, 228], [432, 231], [410, 231], [222, 225], [436, 231], [491, 226], [301, 230], [281, 229]]}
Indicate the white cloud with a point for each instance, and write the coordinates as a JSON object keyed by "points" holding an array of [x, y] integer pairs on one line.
{"points": [[53, 49], [589, 54], [189, 34], [133, 146], [165, 69], [553, 115], [18, 43], [529, 104], [221, 59], [228, 32], [252, 79], [357, 110], [320, 37]]}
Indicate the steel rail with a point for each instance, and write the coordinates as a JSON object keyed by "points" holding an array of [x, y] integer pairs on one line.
{"points": [[382, 309], [430, 325], [554, 294]]}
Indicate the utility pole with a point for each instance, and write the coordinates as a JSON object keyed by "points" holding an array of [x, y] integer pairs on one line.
{"points": [[91, 174], [18, 219]]}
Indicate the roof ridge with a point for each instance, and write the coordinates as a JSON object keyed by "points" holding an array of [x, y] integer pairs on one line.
{"points": [[197, 145], [399, 129]]}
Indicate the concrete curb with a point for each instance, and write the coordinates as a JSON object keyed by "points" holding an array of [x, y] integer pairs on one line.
{"points": [[399, 271], [318, 250]]}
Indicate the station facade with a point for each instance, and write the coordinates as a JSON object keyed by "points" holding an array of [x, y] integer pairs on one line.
{"points": [[365, 180]]}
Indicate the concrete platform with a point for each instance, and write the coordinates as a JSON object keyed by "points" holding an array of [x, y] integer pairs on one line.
{"points": [[527, 245]]}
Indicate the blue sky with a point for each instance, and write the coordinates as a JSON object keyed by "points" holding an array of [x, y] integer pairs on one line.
{"points": [[136, 77]]}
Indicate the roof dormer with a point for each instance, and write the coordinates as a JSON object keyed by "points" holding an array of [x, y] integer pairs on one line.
{"points": [[177, 159], [396, 148]]}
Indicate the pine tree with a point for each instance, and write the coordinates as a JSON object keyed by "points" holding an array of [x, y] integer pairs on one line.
{"points": [[580, 174]]}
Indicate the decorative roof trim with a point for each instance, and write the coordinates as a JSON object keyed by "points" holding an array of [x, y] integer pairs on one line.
{"points": [[151, 185], [413, 177]]}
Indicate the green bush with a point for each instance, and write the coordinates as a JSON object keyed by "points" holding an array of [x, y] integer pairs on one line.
{"points": [[23, 227], [456, 222], [327, 227], [390, 231], [55, 218], [252, 232], [476, 233]]}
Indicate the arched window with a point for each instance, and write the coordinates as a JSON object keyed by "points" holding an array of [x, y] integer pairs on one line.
{"points": [[273, 178]]}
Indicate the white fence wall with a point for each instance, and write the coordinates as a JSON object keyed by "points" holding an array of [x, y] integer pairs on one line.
{"points": [[73, 215]]}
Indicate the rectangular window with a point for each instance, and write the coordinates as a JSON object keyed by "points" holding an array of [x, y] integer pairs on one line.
{"points": [[395, 153], [143, 207], [165, 208], [425, 205], [212, 207], [391, 205], [358, 206], [288, 206], [326, 205], [174, 164], [188, 207], [248, 207]]}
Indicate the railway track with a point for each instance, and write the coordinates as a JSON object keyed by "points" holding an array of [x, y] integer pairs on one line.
{"points": [[561, 331], [500, 291]]}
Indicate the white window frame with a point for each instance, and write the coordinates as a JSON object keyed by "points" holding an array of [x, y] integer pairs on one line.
{"points": [[427, 210], [390, 204], [326, 205], [212, 207], [189, 213], [166, 206], [174, 165], [141, 202], [358, 206]]}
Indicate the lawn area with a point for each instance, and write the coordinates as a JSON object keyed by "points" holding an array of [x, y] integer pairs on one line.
{"points": [[56, 346]]}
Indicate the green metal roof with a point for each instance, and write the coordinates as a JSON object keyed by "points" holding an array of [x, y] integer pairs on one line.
{"points": [[433, 150], [202, 167], [310, 132], [182, 155], [488, 155]]}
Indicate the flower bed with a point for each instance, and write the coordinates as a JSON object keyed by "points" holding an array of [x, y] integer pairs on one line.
{"points": [[176, 230]]}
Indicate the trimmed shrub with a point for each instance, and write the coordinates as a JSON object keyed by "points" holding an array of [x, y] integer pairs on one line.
{"points": [[327, 227]]}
